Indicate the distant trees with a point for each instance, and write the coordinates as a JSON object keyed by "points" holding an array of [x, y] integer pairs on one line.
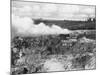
{"points": [[91, 19]]}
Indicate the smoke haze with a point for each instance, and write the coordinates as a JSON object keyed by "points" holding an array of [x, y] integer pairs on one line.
{"points": [[25, 25]]}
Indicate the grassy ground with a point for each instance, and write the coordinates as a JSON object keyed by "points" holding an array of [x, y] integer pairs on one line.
{"points": [[74, 51]]}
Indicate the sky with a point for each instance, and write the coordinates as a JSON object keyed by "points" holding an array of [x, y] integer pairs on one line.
{"points": [[24, 13], [52, 11]]}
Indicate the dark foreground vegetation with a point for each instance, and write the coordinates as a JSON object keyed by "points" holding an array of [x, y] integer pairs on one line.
{"points": [[76, 52]]}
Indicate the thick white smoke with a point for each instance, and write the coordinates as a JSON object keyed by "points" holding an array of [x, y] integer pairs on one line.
{"points": [[25, 25]]}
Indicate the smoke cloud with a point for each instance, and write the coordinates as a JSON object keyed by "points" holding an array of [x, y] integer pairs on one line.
{"points": [[25, 25]]}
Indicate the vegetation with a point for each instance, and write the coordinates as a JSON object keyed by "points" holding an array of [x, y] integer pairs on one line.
{"points": [[28, 54]]}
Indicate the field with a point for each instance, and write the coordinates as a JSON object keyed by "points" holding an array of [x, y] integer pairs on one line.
{"points": [[72, 25], [50, 53]]}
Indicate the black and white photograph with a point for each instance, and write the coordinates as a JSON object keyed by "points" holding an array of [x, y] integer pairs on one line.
{"points": [[52, 37]]}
